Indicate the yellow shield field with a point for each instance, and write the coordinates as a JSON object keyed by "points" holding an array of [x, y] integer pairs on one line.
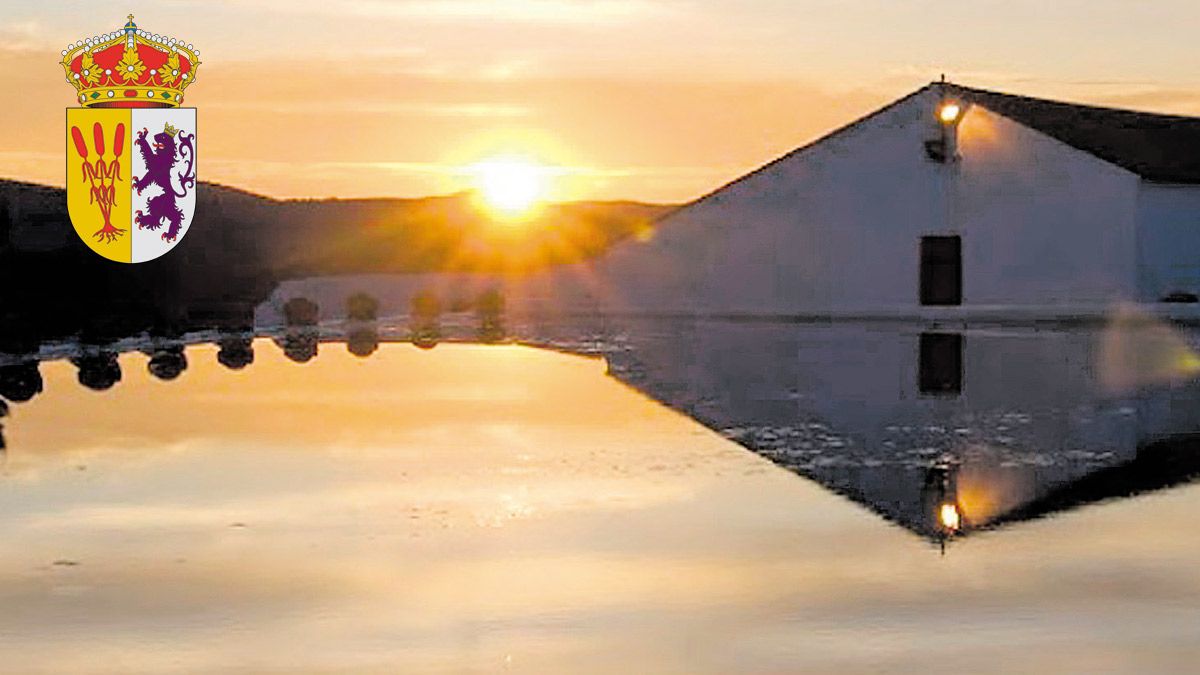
{"points": [[99, 198]]}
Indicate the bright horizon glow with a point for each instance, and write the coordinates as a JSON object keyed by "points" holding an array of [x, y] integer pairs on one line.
{"points": [[510, 186]]}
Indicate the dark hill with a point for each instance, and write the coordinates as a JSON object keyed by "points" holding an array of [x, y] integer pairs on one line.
{"points": [[450, 233], [241, 245], [302, 237]]}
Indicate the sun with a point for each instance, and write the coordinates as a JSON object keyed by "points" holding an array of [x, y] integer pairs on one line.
{"points": [[510, 186]]}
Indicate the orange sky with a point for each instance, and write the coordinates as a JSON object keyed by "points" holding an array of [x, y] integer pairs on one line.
{"points": [[658, 100]]}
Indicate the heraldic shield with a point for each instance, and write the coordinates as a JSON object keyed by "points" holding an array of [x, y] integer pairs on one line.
{"points": [[131, 179]]}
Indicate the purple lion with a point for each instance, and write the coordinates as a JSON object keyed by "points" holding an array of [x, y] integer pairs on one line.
{"points": [[161, 207]]}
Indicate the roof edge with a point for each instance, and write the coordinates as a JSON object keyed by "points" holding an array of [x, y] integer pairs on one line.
{"points": [[1091, 131], [969, 93], [1166, 117], [796, 151]]}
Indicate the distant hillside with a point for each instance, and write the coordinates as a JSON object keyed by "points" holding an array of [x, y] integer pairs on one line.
{"points": [[305, 237], [242, 245], [449, 234]]}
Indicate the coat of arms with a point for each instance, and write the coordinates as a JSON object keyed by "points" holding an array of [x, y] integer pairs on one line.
{"points": [[131, 150]]}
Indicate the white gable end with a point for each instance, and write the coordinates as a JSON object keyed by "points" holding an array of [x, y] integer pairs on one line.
{"points": [[778, 240], [1042, 223], [836, 227]]}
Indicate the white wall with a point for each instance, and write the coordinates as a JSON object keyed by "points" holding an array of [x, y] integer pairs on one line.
{"points": [[830, 227], [836, 227], [1042, 223], [1168, 240]]}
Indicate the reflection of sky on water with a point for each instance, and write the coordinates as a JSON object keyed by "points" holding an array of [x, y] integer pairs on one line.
{"points": [[482, 508]]}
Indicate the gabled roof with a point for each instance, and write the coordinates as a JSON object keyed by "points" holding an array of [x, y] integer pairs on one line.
{"points": [[1160, 148]]}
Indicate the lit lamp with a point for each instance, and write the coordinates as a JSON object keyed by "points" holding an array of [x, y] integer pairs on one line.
{"points": [[944, 148], [949, 517], [949, 112]]}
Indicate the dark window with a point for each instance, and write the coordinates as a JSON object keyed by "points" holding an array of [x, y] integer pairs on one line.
{"points": [[940, 364], [941, 270]]}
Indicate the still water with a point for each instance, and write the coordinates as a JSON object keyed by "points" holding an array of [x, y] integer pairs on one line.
{"points": [[692, 497]]}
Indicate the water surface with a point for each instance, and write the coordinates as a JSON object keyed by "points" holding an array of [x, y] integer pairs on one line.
{"points": [[485, 508]]}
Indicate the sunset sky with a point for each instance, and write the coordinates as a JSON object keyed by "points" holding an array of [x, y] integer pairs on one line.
{"points": [[657, 100]]}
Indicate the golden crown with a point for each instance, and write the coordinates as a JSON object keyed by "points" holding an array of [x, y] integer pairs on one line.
{"points": [[130, 68]]}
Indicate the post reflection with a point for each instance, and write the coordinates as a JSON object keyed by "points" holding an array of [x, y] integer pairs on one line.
{"points": [[489, 312], [98, 365], [98, 370], [235, 350], [362, 341], [300, 344], [167, 362], [20, 382], [425, 319]]}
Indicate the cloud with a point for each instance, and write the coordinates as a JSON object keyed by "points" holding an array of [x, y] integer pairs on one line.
{"points": [[573, 12], [540, 11], [22, 35], [483, 110], [1178, 101], [265, 168]]}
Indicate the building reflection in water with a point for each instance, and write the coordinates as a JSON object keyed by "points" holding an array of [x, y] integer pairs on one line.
{"points": [[941, 432], [940, 363]]}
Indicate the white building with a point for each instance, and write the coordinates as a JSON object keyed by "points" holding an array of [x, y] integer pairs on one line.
{"points": [[950, 196]]}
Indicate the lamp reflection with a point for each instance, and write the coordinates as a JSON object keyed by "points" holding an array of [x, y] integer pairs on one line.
{"points": [[940, 496]]}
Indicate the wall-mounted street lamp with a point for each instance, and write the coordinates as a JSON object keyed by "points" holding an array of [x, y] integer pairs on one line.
{"points": [[943, 149], [949, 112]]}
